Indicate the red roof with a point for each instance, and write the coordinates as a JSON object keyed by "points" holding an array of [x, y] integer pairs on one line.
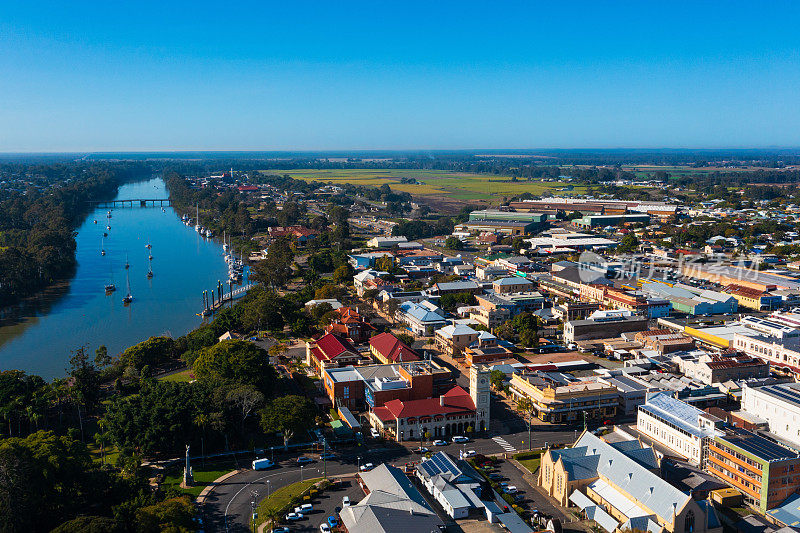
{"points": [[244, 188], [331, 346], [393, 349], [457, 400]]}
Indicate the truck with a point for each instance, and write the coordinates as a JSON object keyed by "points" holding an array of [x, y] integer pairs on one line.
{"points": [[262, 464]]}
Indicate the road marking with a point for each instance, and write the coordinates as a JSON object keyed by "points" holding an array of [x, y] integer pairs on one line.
{"points": [[504, 444]]}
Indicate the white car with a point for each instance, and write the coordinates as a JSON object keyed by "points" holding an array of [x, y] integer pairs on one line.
{"points": [[459, 439], [470, 453], [324, 528], [346, 501], [511, 489], [305, 508], [367, 467], [440, 443], [291, 517], [374, 433]]}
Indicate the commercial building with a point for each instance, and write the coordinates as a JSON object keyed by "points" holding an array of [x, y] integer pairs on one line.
{"points": [[765, 472], [331, 350], [754, 299], [386, 348], [556, 400], [687, 299], [453, 339], [559, 241], [485, 350], [603, 325], [619, 486], [457, 412], [392, 505], [601, 221], [511, 285], [367, 386], [570, 310], [681, 427], [455, 486], [714, 368], [385, 242], [779, 405]]}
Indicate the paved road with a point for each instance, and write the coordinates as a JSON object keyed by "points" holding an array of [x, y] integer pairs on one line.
{"points": [[228, 506]]}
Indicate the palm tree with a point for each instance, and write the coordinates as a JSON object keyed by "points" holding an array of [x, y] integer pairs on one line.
{"points": [[202, 421]]}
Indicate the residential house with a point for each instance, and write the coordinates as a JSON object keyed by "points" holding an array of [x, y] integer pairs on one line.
{"points": [[386, 348], [331, 350], [350, 324]]}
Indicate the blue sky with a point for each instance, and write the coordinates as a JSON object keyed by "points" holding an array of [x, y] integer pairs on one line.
{"points": [[174, 75]]}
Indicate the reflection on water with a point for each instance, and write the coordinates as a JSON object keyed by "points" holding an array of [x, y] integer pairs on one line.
{"points": [[38, 334]]}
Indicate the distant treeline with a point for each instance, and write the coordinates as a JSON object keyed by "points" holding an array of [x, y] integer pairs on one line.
{"points": [[40, 207]]}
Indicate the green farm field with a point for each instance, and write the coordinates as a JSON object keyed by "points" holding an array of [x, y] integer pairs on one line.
{"points": [[457, 186]]}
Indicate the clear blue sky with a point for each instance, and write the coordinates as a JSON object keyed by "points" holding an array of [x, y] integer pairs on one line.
{"points": [[174, 75]]}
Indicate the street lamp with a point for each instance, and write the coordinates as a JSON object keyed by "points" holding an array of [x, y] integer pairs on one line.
{"points": [[301, 472], [253, 504], [358, 464], [268, 489]]}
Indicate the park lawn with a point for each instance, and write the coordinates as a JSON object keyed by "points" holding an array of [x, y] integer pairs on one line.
{"points": [[529, 460], [184, 376], [281, 498], [202, 476]]}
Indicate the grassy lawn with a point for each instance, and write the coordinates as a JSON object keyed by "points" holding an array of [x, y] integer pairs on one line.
{"points": [[203, 476], [281, 498], [184, 376], [529, 460]]}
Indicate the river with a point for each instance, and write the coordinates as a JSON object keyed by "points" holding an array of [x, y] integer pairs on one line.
{"points": [[39, 335]]}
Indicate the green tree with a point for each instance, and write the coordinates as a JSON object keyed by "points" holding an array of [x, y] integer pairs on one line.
{"points": [[497, 379], [343, 274], [238, 362], [152, 352], [628, 244], [175, 515], [406, 339], [288, 415], [454, 243]]}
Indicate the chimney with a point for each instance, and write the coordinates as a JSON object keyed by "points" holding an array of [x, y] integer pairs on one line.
{"points": [[441, 400]]}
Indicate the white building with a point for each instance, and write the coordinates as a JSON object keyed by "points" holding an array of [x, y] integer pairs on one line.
{"points": [[779, 405], [385, 242], [676, 425], [456, 488]]}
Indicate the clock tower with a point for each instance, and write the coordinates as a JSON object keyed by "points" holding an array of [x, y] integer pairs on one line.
{"points": [[480, 391]]}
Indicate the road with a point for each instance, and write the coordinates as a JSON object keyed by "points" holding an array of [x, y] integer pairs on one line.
{"points": [[228, 507]]}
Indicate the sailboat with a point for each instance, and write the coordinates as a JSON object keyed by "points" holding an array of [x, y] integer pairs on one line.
{"points": [[197, 218], [128, 297], [150, 268], [110, 287], [127, 265], [102, 245]]}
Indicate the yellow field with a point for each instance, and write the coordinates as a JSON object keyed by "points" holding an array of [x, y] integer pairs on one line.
{"points": [[438, 183]]}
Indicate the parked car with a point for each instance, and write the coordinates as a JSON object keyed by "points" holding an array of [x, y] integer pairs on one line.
{"points": [[262, 464], [460, 439], [495, 476], [305, 508], [292, 517], [282, 529], [374, 433], [333, 521], [303, 460], [511, 489], [367, 467], [324, 528], [346, 501], [439, 442], [470, 453]]}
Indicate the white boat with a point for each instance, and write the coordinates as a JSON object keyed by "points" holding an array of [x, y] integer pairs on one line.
{"points": [[197, 218], [128, 298], [209, 234]]}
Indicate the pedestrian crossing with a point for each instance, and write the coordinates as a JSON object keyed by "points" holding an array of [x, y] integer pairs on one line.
{"points": [[504, 444]]}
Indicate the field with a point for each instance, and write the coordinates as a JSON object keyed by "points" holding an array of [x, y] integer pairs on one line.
{"points": [[436, 184]]}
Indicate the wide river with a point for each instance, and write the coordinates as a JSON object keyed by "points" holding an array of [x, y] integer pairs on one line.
{"points": [[39, 335]]}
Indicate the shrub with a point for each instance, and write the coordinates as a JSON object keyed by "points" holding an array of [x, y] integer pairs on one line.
{"points": [[517, 508], [306, 498], [508, 498], [527, 455]]}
